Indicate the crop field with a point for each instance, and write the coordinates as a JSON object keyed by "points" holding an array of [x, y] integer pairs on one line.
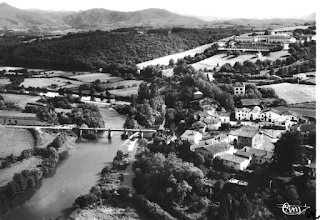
{"points": [[126, 83], [309, 112], [14, 141], [124, 92], [21, 100], [46, 82], [103, 77], [221, 59], [7, 174], [294, 93]]}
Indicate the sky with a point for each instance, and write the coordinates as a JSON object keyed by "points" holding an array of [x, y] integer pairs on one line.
{"points": [[214, 8]]}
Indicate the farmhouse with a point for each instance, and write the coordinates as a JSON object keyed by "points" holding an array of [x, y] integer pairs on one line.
{"points": [[224, 117], [234, 162], [19, 118], [258, 156], [214, 150], [197, 95], [192, 136], [247, 114], [270, 115], [239, 88], [246, 136]]}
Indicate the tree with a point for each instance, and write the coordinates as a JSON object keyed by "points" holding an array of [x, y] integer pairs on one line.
{"points": [[101, 97], [245, 208], [171, 62], [288, 151], [199, 159]]}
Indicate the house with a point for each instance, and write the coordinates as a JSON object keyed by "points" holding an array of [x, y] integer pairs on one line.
{"points": [[250, 103], [224, 117], [246, 136], [300, 76], [247, 114], [214, 150], [258, 156], [234, 162], [310, 170], [270, 115], [199, 126], [197, 95], [294, 117], [193, 137], [207, 139], [19, 118], [213, 123], [239, 88]]}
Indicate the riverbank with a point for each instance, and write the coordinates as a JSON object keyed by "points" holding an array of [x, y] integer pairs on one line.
{"points": [[34, 165]]}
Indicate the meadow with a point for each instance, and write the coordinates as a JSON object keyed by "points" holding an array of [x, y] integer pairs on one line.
{"points": [[19, 99], [14, 141], [47, 82], [294, 93], [103, 77]]}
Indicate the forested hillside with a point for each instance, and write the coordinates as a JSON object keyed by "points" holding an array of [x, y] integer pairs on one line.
{"points": [[89, 51]]}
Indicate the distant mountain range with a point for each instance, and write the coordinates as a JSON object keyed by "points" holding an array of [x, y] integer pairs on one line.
{"points": [[98, 18]]}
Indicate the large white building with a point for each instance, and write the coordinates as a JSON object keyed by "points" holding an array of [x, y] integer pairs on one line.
{"points": [[247, 113]]}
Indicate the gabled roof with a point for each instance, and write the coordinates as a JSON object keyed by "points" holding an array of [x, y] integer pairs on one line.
{"points": [[189, 134], [272, 110], [257, 152], [217, 148], [243, 109], [243, 154], [289, 112], [250, 102], [245, 131], [232, 158], [224, 114]]}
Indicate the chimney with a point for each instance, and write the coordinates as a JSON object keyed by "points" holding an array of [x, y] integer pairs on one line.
{"points": [[245, 149]]}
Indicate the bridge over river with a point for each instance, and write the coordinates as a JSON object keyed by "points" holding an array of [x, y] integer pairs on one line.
{"points": [[79, 130]]}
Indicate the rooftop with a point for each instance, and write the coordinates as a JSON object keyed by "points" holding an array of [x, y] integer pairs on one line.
{"points": [[217, 148], [272, 110], [224, 114], [243, 154], [289, 112], [189, 134], [239, 84], [257, 152], [250, 102], [232, 158], [245, 131]]}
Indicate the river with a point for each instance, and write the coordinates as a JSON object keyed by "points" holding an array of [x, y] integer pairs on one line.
{"points": [[75, 175]]}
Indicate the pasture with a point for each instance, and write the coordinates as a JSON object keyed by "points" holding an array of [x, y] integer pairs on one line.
{"points": [[221, 59], [294, 93], [19, 99], [125, 83], [124, 92], [14, 141], [103, 77], [47, 82]]}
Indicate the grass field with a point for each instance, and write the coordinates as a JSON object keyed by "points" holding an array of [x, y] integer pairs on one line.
{"points": [[46, 82], [303, 111], [103, 77], [125, 83], [124, 92], [294, 93], [221, 59], [7, 174], [14, 141], [21, 100]]}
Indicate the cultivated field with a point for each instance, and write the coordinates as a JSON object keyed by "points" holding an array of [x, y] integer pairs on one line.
{"points": [[103, 77], [221, 59], [124, 92], [7, 174], [21, 100], [46, 82], [125, 83], [309, 112], [294, 93], [14, 141]]}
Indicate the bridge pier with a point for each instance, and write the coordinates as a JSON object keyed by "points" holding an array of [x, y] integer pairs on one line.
{"points": [[110, 134], [80, 133], [141, 134]]}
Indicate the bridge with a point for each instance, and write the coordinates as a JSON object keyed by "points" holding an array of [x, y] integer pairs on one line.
{"points": [[79, 130]]}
